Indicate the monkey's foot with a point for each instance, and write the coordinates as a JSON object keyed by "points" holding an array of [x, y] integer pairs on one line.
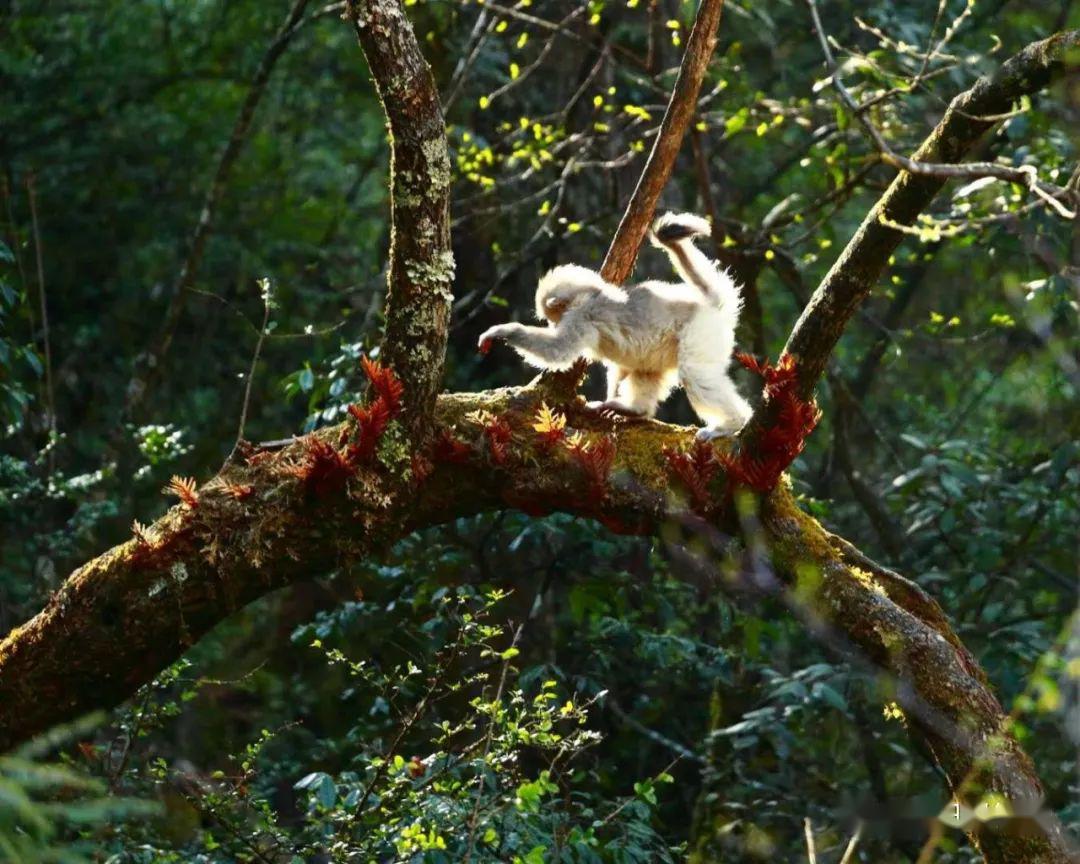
{"points": [[711, 433], [613, 408]]}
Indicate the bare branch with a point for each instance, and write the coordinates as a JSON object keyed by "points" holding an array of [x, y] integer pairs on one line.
{"points": [[619, 262], [1025, 175], [854, 273], [50, 395]]}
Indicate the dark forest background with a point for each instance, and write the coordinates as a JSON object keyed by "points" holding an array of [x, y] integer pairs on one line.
{"points": [[619, 708]]}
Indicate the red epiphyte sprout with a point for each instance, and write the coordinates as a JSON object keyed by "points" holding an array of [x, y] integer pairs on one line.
{"points": [[258, 457], [371, 422], [497, 431], [695, 468], [777, 378], [447, 448], [152, 549], [386, 384], [323, 467], [184, 488], [373, 418], [238, 491], [147, 546], [421, 468], [779, 444]]}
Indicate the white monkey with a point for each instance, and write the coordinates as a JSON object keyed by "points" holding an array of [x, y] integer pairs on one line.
{"points": [[650, 336]]}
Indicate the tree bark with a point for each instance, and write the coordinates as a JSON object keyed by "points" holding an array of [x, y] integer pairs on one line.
{"points": [[421, 269]]}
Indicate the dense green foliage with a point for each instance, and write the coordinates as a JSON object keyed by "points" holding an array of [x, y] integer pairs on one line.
{"points": [[608, 707]]}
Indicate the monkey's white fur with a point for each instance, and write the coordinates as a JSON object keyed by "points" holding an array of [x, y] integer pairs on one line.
{"points": [[650, 336]]}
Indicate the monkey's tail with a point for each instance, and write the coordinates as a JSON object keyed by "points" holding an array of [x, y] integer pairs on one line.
{"points": [[673, 227], [674, 233]]}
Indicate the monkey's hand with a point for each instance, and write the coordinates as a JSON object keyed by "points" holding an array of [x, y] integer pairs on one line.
{"points": [[500, 332]]}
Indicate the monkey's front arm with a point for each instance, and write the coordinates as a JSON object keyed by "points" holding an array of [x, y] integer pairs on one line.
{"points": [[544, 347]]}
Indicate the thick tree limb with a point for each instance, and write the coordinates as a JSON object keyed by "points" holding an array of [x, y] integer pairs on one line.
{"points": [[121, 618], [619, 261], [857, 269], [421, 267]]}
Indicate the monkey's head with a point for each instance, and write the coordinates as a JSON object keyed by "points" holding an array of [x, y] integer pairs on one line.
{"points": [[564, 288]]}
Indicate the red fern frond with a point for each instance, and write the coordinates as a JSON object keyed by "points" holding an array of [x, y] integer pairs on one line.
{"points": [[779, 444], [695, 469], [595, 458], [184, 488]]}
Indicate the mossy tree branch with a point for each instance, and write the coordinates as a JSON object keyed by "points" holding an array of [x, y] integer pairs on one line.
{"points": [[124, 616]]}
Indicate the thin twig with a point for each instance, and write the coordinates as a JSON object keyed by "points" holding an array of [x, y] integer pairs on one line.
{"points": [[264, 285], [849, 853], [50, 398], [475, 815], [480, 31], [682, 750], [631, 798], [808, 830]]}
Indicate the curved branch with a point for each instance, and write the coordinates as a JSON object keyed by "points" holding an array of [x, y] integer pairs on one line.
{"points": [[421, 268], [121, 618], [857, 269], [619, 261]]}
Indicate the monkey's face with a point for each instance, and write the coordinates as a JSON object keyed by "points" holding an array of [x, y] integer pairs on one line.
{"points": [[555, 308], [563, 288]]}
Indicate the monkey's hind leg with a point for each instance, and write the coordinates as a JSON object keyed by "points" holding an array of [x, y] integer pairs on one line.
{"points": [[713, 396], [638, 394]]}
